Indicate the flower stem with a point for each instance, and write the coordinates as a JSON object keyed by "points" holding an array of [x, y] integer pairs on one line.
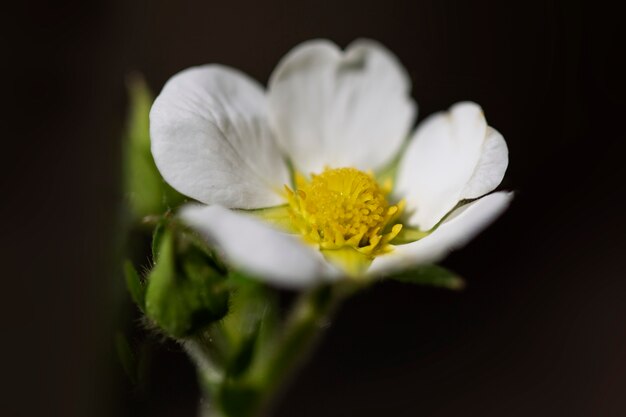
{"points": [[254, 395], [302, 329], [309, 316]]}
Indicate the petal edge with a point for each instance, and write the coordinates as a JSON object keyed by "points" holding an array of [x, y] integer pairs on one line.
{"points": [[461, 226], [452, 156], [258, 249], [339, 109]]}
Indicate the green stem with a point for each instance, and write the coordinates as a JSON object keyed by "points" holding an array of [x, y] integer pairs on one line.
{"points": [[308, 317], [303, 326], [302, 329], [209, 375]]}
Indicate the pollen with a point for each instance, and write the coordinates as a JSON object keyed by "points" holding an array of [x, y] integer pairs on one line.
{"points": [[344, 207]]}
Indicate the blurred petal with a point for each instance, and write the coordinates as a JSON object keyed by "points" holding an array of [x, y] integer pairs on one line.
{"points": [[211, 141], [340, 109], [460, 227], [258, 249], [453, 156]]}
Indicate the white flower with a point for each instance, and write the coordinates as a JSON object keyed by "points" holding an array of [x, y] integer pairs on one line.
{"points": [[315, 146]]}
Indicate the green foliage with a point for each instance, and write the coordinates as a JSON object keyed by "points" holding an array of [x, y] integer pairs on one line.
{"points": [[231, 352], [157, 235], [147, 192], [432, 275], [250, 326], [240, 345], [185, 293], [134, 285]]}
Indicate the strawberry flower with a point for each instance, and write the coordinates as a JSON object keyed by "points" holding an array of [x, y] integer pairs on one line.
{"points": [[313, 179]]}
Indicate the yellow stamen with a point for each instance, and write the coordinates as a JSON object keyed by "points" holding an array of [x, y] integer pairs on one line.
{"points": [[344, 208]]}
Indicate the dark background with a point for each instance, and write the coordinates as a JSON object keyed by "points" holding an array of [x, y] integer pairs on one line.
{"points": [[540, 329]]}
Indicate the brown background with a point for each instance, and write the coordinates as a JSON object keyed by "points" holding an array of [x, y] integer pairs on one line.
{"points": [[539, 330]]}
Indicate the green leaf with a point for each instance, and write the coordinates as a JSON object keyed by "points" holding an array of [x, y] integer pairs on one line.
{"points": [[185, 293], [157, 235], [134, 285], [126, 356], [432, 275], [147, 192]]}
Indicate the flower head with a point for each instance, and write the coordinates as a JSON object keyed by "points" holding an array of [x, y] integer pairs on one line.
{"points": [[296, 181]]}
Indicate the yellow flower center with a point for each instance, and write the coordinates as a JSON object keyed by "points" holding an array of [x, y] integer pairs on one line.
{"points": [[346, 212]]}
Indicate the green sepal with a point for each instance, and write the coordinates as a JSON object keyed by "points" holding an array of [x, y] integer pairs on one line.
{"points": [[432, 275], [409, 234], [146, 190], [192, 239], [135, 287], [185, 293]]}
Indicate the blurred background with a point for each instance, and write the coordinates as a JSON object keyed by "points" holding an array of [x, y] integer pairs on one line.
{"points": [[540, 328]]}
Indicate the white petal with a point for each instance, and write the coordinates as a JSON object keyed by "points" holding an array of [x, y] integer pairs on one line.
{"points": [[336, 109], [459, 228], [258, 249], [211, 141], [453, 156], [492, 164]]}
